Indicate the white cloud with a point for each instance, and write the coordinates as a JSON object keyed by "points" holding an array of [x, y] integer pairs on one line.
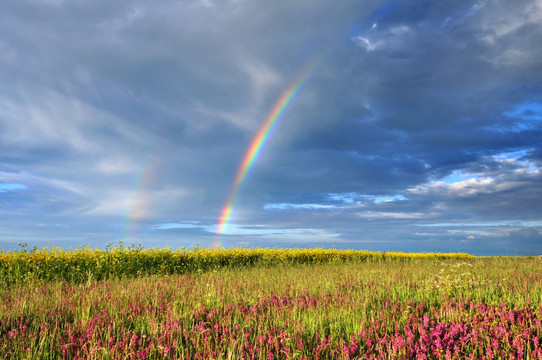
{"points": [[506, 22], [512, 172], [366, 43], [136, 203], [47, 117], [298, 234], [389, 199], [286, 206], [500, 223], [469, 187], [375, 38], [517, 163], [399, 30], [391, 215], [116, 165], [176, 225], [262, 77], [345, 201]]}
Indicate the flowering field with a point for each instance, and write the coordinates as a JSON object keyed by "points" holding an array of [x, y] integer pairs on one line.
{"points": [[119, 262], [404, 307]]}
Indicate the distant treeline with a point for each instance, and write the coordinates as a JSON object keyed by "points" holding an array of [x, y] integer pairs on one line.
{"points": [[85, 264]]}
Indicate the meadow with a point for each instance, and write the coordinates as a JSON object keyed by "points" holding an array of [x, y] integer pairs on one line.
{"points": [[135, 303]]}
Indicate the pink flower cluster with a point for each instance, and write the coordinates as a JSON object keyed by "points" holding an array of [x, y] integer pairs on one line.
{"points": [[286, 327]]}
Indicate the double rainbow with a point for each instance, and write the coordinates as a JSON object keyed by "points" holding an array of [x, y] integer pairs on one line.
{"points": [[260, 139]]}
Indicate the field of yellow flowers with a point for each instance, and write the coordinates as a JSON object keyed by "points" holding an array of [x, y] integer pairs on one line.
{"points": [[82, 264], [135, 303]]}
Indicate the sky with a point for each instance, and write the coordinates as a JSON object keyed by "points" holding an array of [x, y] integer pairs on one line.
{"points": [[380, 125]]}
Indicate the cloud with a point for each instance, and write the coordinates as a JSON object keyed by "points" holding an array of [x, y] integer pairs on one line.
{"points": [[527, 240], [284, 206], [527, 234], [366, 43], [418, 113], [469, 187]]}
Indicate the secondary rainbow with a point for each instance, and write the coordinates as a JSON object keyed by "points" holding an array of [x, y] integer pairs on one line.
{"points": [[258, 142], [137, 205]]}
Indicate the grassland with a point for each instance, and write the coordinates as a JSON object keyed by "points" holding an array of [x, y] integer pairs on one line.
{"points": [[267, 304]]}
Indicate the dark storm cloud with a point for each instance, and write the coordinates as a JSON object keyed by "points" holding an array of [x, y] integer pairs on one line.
{"points": [[136, 114]]}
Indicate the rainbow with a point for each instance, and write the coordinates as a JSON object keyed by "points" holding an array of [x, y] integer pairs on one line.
{"points": [[259, 140], [137, 205]]}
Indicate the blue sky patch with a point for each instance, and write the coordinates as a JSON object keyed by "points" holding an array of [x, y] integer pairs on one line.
{"points": [[12, 187], [526, 111]]}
